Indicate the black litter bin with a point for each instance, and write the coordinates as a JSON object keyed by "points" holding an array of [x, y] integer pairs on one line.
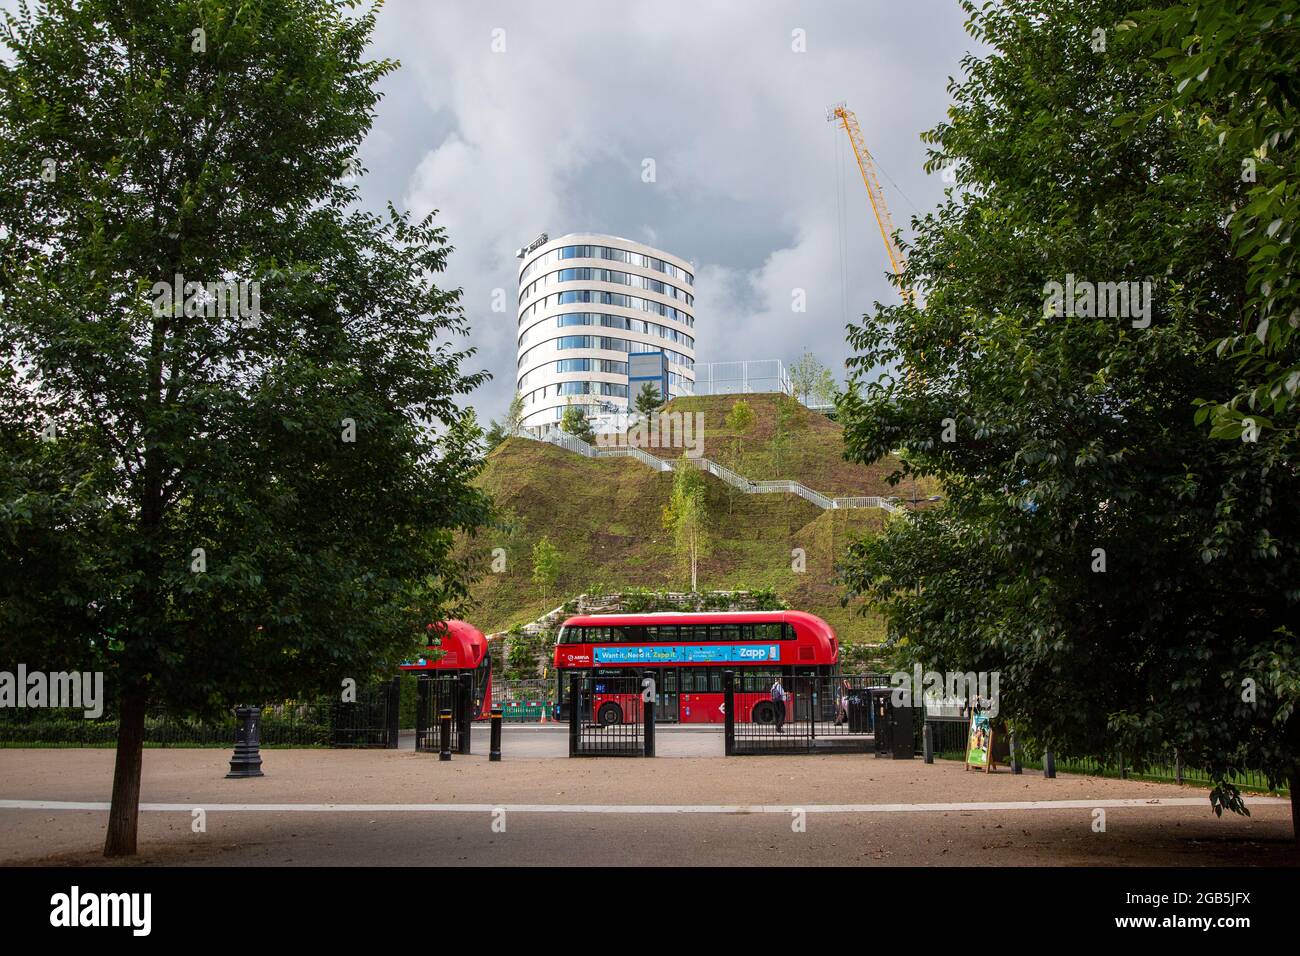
{"points": [[881, 721], [903, 733], [895, 726], [859, 708]]}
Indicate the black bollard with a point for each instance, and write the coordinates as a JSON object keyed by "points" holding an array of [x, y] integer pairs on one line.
{"points": [[927, 742], [247, 759], [465, 718], [1015, 755], [729, 712], [494, 748], [575, 690], [444, 735], [648, 708], [1049, 764]]}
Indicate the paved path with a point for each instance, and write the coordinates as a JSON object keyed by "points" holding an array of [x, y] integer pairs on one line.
{"points": [[399, 807], [530, 741]]}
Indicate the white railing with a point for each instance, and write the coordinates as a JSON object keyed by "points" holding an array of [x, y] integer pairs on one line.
{"points": [[566, 441]]}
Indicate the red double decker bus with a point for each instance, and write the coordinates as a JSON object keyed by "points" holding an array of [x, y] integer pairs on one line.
{"points": [[457, 648], [688, 653]]}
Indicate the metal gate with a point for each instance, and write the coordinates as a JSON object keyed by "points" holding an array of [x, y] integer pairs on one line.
{"points": [[607, 717], [436, 693], [826, 714], [369, 721]]}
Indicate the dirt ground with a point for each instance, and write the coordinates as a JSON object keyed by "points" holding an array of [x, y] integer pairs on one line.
{"points": [[737, 811]]}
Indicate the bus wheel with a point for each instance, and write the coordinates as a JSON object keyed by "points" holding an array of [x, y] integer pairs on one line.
{"points": [[609, 714], [763, 713]]}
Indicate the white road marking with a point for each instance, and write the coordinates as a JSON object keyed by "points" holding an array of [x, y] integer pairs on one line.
{"points": [[618, 808]]}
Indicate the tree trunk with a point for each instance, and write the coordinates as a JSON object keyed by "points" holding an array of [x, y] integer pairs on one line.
{"points": [[124, 812]]}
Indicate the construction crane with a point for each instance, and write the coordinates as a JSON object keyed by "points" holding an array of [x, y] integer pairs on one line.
{"points": [[844, 116]]}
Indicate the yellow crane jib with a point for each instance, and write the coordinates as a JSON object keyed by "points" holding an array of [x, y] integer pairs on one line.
{"points": [[845, 117]]}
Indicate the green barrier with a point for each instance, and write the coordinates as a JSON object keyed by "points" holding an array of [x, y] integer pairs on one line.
{"points": [[524, 711]]}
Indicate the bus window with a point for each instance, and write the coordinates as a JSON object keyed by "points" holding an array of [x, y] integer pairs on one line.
{"points": [[731, 632], [715, 679]]}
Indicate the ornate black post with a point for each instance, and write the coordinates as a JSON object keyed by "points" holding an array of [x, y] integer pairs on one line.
{"points": [[247, 759]]}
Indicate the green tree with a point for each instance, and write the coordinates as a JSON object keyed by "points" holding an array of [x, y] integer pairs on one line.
{"points": [[513, 423], [1235, 67], [237, 500], [780, 444], [686, 516], [740, 422], [1132, 581], [648, 400], [810, 379], [575, 423], [525, 655], [496, 434], [546, 566]]}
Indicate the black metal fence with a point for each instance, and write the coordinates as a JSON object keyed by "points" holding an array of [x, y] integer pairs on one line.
{"points": [[436, 694], [370, 721], [819, 714], [948, 736], [607, 717]]}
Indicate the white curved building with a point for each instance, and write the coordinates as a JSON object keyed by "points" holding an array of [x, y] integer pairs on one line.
{"points": [[586, 303]]}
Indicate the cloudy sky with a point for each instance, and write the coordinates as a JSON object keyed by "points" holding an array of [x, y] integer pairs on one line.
{"points": [[751, 183]]}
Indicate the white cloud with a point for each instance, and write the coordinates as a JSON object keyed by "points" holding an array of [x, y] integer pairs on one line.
{"points": [[550, 136]]}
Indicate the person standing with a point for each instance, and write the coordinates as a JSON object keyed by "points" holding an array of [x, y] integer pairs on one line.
{"points": [[842, 704], [778, 704]]}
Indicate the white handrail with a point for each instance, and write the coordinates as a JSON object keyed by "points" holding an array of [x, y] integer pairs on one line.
{"points": [[568, 442]]}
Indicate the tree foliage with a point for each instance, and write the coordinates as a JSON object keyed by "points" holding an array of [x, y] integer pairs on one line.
{"points": [[1236, 72], [648, 400], [574, 422], [686, 517], [1134, 582], [546, 565], [216, 508], [810, 379]]}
